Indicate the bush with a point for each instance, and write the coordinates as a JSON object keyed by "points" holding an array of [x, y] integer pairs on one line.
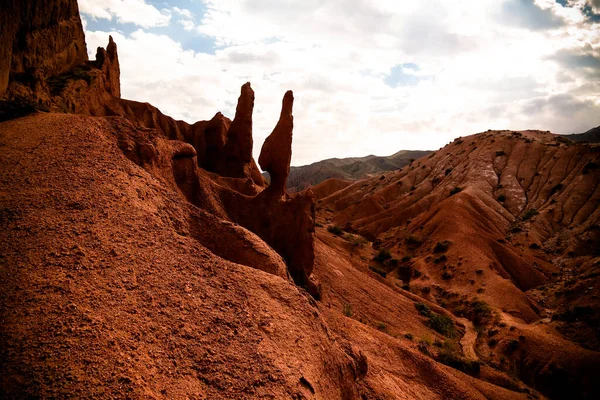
{"points": [[442, 246], [481, 311], [532, 212], [438, 322], [348, 310], [381, 326], [423, 309], [384, 254], [556, 188], [502, 198], [355, 240], [440, 259], [447, 171], [455, 190], [409, 336], [500, 153], [336, 230], [413, 240], [442, 324]]}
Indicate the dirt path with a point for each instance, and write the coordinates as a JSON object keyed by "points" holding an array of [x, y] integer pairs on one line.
{"points": [[467, 342]]}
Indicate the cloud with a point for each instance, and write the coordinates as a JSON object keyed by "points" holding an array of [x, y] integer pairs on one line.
{"points": [[371, 77], [137, 12], [529, 15]]}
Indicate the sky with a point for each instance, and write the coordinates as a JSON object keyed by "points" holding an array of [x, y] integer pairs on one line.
{"points": [[369, 76]]}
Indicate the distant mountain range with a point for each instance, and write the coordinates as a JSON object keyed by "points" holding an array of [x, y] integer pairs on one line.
{"points": [[352, 168], [591, 136]]}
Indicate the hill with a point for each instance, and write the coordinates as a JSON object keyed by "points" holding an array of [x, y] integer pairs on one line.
{"points": [[591, 136], [500, 228], [349, 168]]}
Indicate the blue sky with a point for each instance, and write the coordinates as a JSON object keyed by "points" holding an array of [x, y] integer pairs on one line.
{"points": [[368, 76]]}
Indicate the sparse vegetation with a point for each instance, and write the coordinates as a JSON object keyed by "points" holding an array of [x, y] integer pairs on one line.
{"points": [[381, 326], [383, 255], [441, 247], [440, 323], [455, 191], [409, 336], [440, 259], [556, 188], [447, 171], [336, 230], [413, 240], [532, 212], [348, 310], [500, 153], [501, 198], [590, 166], [355, 240], [450, 356]]}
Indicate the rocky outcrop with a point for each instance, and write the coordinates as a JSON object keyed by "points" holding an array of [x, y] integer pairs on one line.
{"points": [[276, 153], [212, 166], [236, 162], [108, 61], [39, 39]]}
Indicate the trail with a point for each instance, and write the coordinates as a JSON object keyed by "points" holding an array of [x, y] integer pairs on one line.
{"points": [[467, 342]]}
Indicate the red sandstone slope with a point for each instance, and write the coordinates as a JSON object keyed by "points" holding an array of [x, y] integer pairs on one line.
{"points": [[505, 218]]}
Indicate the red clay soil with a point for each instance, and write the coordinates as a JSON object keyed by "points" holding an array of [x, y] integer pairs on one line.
{"points": [[107, 293]]}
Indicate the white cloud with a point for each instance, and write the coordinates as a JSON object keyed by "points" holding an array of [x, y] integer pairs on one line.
{"points": [[473, 71], [137, 12]]}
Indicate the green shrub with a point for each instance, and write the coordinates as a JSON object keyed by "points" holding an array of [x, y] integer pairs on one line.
{"points": [[381, 326], [348, 310], [442, 246], [442, 324], [423, 309], [355, 240], [336, 230], [413, 240], [384, 254]]}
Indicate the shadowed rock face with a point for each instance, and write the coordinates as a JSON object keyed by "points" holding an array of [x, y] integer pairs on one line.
{"points": [[39, 39], [276, 153], [237, 159]]}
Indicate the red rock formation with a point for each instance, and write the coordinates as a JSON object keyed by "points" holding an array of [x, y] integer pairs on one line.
{"points": [[108, 61], [39, 39], [276, 153], [236, 160]]}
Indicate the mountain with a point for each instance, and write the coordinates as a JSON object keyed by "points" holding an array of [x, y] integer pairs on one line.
{"points": [[144, 257], [591, 136], [349, 168], [501, 230]]}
